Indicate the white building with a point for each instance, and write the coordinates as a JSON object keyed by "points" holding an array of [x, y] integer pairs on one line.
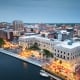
{"points": [[43, 43], [63, 50], [68, 51]]}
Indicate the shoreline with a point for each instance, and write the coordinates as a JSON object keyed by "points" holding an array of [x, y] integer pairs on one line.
{"points": [[19, 57], [26, 60]]}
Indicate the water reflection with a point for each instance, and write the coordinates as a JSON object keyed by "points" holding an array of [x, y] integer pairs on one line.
{"points": [[25, 65]]}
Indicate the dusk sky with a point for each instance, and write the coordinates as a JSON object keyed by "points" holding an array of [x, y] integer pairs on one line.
{"points": [[40, 11]]}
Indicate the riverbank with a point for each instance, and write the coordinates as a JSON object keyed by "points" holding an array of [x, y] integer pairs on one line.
{"points": [[29, 60], [19, 57]]}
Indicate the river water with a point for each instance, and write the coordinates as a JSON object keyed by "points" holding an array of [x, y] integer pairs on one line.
{"points": [[15, 69]]}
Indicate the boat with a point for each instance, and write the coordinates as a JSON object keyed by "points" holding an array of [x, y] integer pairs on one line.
{"points": [[43, 73]]}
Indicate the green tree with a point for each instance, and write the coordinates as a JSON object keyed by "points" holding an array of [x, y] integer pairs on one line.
{"points": [[35, 47], [47, 53], [1, 42]]}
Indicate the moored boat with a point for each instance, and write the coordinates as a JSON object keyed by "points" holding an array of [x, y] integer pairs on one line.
{"points": [[43, 73]]}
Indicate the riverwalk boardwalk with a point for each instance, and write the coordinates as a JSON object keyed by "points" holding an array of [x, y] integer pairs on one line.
{"points": [[26, 60]]}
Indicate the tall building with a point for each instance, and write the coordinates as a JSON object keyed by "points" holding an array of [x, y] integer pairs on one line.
{"points": [[18, 25]]}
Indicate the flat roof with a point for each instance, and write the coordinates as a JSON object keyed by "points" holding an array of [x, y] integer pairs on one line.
{"points": [[66, 45], [64, 31], [37, 37]]}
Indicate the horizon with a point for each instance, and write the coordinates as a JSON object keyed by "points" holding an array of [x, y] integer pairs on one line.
{"points": [[41, 23]]}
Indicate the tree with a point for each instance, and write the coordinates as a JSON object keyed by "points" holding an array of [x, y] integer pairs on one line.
{"points": [[47, 53], [1, 42], [35, 46], [60, 61]]}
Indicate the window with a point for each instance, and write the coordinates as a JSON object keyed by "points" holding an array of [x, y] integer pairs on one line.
{"points": [[61, 51], [68, 54], [61, 56], [64, 57], [57, 55], [64, 52], [68, 58], [58, 50], [55, 49]]}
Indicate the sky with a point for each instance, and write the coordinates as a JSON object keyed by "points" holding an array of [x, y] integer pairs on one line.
{"points": [[40, 11]]}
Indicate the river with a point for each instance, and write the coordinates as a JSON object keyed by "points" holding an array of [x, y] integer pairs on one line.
{"points": [[15, 69]]}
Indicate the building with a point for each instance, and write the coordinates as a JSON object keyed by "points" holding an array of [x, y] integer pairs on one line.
{"points": [[6, 34], [78, 33], [3, 24], [71, 31], [43, 43], [49, 34], [68, 51], [30, 34], [18, 25], [32, 28], [16, 33], [63, 35]]}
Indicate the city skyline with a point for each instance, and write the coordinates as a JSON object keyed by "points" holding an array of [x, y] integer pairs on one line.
{"points": [[40, 11]]}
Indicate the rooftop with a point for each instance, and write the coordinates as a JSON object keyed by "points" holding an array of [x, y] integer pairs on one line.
{"points": [[64, 32], [69, 46], [39, 38]]}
